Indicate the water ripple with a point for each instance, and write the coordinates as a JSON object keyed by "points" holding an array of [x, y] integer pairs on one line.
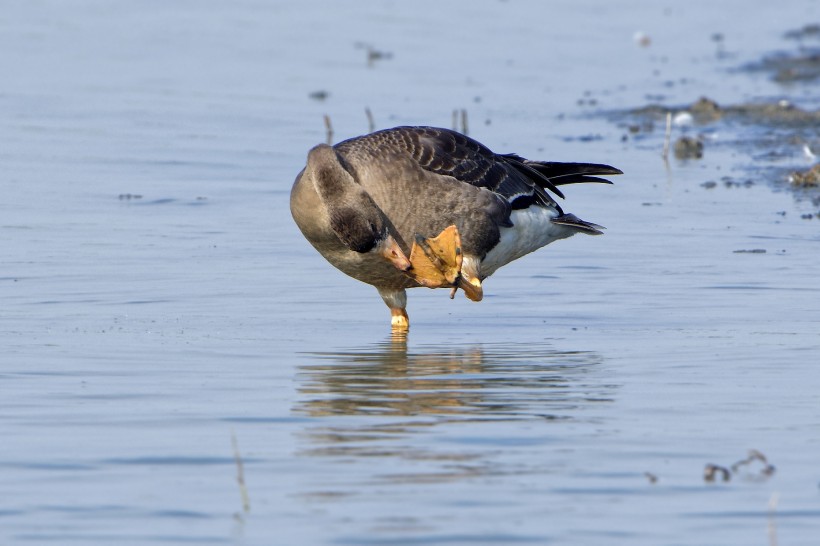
{"points": [[497, 381]]}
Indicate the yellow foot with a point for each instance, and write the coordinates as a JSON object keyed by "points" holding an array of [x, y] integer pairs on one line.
{"points": [[399, 320], [437, 261], [471, 286]]}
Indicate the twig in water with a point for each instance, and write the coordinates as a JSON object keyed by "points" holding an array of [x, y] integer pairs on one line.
{"points": [[328, 130], [754, 455], [772, 527], [455, 120], [667, 137], [240, 474], [464, 121], [370, 123]]}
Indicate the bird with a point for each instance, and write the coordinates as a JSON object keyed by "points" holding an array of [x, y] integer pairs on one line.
{"points": [[412, 207]]}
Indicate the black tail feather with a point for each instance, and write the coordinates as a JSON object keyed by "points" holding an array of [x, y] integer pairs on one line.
{"points": [[580, 179], [581, 225], [573, 173], [530, 170]]}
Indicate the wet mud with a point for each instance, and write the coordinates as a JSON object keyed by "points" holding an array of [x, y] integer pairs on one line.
{"points": [[778, 135], [797, 65]]}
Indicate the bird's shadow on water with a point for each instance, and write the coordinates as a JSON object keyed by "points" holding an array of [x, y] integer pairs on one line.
{"points": [[499, 381]]}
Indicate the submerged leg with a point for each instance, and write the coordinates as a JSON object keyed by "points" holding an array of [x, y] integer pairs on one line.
{"points": [[396, 300]]}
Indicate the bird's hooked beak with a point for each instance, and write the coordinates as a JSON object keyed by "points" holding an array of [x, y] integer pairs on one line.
{"points": [[391, 250]]}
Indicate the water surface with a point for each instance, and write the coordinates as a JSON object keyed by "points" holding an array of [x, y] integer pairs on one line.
{"points": [[158, 300]]}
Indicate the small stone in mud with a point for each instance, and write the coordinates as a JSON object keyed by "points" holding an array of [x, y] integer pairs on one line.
{"points": [[729, 182], [751, 251], [706, 110], [806, 179], [319, 95], [127, 196], [709, 184], [645, 126], [811, 30], [688, 148], [642, 39]]}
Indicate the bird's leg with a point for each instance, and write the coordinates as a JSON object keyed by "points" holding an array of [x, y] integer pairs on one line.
{"points": [[396, 300], [399, 321]]}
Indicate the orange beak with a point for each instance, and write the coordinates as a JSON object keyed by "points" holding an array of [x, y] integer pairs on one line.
{"points": [[393, 253]]}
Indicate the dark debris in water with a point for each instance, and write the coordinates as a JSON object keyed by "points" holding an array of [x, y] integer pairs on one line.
{"points": [[319, 95], [729, 182], [583, 138], [373, 54], [787, 67], [197, 201], [712, 471], [753, 460]]}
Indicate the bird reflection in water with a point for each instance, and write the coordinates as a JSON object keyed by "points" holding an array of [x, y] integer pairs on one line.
{"points": [[375, 402], [498, 381]]}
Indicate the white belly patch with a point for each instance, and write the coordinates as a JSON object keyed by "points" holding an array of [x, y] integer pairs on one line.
{"points": [[531, 230]]}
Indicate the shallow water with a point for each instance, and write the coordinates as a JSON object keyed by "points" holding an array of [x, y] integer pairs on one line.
{"points": [[158, 300]]}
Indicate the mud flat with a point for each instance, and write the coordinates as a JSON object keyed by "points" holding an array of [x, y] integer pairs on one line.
{"points": [[778, 136]]}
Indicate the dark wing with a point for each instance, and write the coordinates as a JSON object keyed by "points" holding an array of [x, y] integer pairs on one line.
{"points": [[572, 173], [520, 181]]}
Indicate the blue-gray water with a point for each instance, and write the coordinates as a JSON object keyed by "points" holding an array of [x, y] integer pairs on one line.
{"points": [[157, 299]]}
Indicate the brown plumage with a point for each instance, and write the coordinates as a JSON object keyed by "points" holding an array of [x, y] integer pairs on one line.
{"points": [[364, 202]]}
